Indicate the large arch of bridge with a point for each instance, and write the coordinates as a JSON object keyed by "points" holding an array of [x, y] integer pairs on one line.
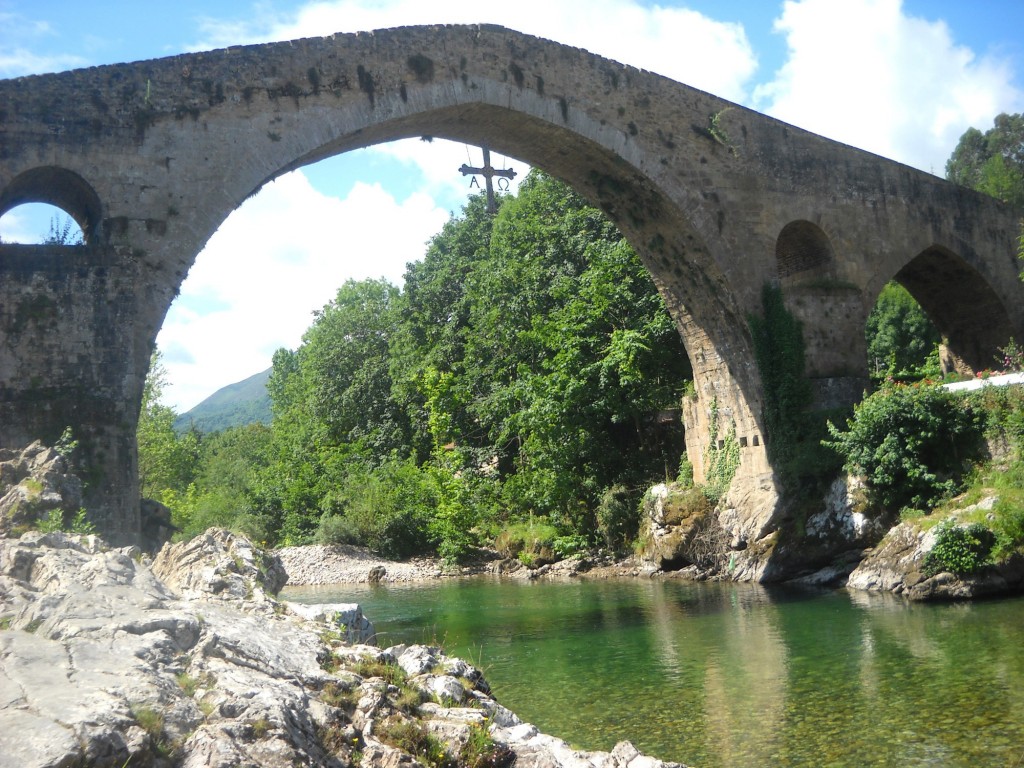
{"points": [[675, 245]]}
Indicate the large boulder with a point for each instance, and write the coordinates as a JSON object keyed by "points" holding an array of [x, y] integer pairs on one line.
{"points": [[101, 663], [34, 482], [897, 565], [104, 664], [678, 527], [219, 564]]}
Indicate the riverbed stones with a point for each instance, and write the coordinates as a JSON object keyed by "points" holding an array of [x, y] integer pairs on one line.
{"points": [[346, 564], [103, 663]]}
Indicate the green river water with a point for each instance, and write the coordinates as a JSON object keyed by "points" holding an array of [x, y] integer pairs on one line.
{"points": [[730, 675]]}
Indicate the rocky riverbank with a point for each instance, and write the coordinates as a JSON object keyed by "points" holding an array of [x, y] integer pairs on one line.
{"points": [[318, 564], [110, 659]]}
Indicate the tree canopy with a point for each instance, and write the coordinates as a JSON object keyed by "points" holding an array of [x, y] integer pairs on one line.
{"points": [[992, 162], [518, 376]]}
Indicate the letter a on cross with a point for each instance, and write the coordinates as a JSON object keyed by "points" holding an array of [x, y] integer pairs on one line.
{"points": [[488, 172]]}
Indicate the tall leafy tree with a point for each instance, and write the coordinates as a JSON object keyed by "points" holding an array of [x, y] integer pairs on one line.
{"points": [[900, 336], [345, 363], [167, 461], [992, 162], [517, 373], [567, 351]]}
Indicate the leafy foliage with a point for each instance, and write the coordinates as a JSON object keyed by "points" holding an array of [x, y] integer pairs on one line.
{"points": [[63, 231], [166, 461], [722, 458], [912, 443], [793, 431], [959, 549], [902, 342], [618, 518], [515, 378], [992, 162]]}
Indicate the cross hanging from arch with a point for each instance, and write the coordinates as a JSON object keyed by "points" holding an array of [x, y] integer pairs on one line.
{"points": [[488, 172]]}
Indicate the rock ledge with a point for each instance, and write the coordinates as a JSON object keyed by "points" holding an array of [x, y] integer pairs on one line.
{"points": [[107, 659]]}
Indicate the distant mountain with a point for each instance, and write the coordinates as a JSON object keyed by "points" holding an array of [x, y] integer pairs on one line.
{"points": [[245, 402]]}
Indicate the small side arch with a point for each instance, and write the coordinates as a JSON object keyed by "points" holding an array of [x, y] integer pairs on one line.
{"points": [[803, 250], [59, 187]]}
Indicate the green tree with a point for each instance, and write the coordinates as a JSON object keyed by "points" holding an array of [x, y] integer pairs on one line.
{"points": [[902, 342], [345, 364], [992, 162], [517, 374], [167, 461], [228, 465], [566, 351]]}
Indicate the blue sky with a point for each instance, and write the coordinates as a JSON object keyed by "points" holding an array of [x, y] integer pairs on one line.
{"points": [[902, 79]]}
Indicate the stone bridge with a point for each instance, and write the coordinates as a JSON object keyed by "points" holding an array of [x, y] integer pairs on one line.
{"points": [[151, 157]]}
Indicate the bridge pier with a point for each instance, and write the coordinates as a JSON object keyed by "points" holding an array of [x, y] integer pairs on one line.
{"points": [[67, 362]]}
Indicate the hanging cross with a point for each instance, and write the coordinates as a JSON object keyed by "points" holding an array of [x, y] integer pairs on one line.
{"points": [[488, 172]]}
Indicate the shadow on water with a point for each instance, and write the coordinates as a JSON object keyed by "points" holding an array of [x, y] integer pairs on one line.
{"points": [[730, 674]]}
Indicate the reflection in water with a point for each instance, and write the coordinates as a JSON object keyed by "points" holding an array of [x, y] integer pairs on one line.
{"points": [[732, 675]]}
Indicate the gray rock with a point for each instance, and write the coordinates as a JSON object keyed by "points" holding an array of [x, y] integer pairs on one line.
{"points": [[346, 618], [33, 483], [897, 565], [103, 663]]}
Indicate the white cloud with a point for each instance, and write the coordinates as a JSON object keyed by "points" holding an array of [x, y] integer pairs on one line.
{"points": [[15, 227], [276, 259], [18, 60], [865, 73]]}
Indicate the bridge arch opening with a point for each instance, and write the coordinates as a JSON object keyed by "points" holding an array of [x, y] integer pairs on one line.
{"points": [[902, 341], [58, 192], [653, 430], [967, 313], [672, 241], [803, 251], [39, 224]]}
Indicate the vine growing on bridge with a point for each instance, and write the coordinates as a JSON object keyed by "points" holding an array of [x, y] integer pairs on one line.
{"points": [[794, 432], [722, 457]]}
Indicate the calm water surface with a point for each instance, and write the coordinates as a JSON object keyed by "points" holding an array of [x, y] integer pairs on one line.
{"points": [[730, 675]]}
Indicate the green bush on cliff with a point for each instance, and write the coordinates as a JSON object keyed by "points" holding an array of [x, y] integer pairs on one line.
{"points": [[959, 549], [913, 444]]}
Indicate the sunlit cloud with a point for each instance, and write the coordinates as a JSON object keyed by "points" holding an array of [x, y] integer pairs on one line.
{"points": [[17, 58], [865, 73], [279, 257]]}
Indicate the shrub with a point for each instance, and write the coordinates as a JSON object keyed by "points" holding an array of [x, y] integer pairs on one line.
{"points": [[912, 444], [690, 504], [685, 476], [962, 550], [387, 509], [618, 517], [1011, 357], [535, 537], [1009, 529], [567, 546], [480, 751], [412, 737]]}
